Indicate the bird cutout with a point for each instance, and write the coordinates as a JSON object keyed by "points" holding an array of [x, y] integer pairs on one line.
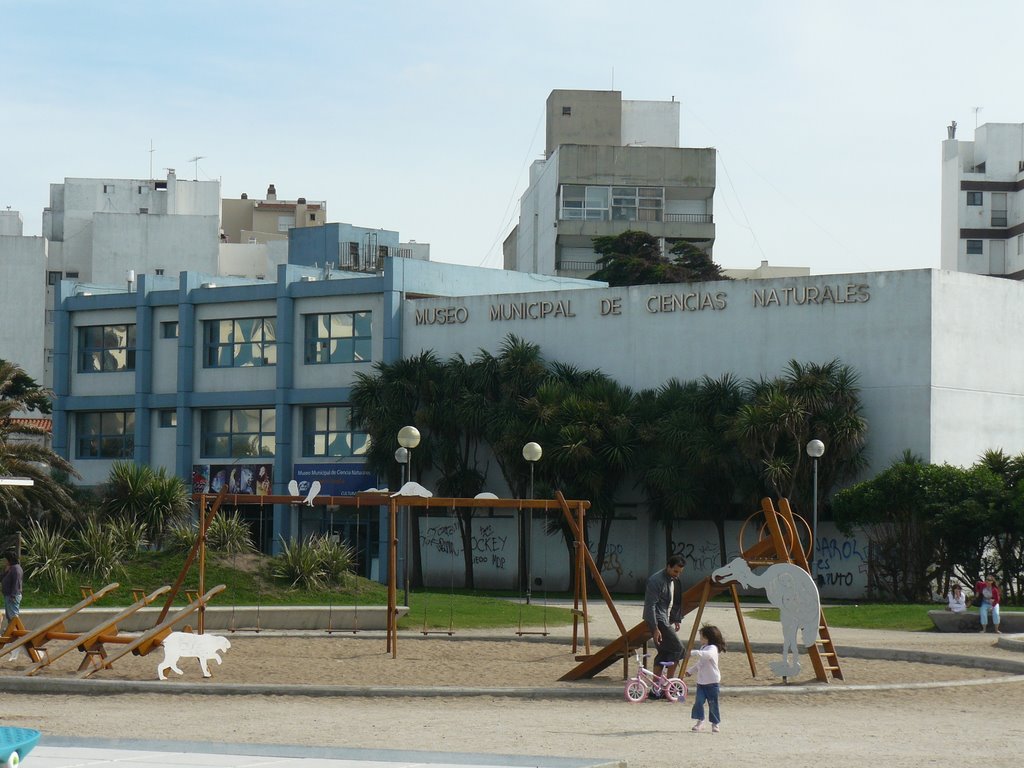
{"points": [[293, 488], [375, 490], [413, 489], [485, 495], [792, 590], [314, 489]]}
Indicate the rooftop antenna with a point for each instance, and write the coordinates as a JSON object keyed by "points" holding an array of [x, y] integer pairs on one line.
{"points": [[976, 111], [151, 151], [196, 160]]}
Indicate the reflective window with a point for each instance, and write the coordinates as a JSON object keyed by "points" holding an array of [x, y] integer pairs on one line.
{"points": [[238, 432], [327, 431], [105, 435], [241, 343], [106, 348], [338, 337]]}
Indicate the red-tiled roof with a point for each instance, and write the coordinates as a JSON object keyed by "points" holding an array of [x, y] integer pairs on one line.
{"points": [[46, 424]]}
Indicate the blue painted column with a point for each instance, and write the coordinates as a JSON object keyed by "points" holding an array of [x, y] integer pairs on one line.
{"points": [[187, 341], [282, 526], [143, 374], [61, 369]]}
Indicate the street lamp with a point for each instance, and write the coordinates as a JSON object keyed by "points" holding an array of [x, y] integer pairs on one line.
{"points": [[532, 453], [815, 449], [402, 457], [408, 438]]}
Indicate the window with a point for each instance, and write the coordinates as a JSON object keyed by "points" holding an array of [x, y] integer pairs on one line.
{"points": [[340, 337], [566, 111], [998, 209], [169, 329], [974, 247], [637, 203], [52, 278], [238, 432], [105, 435], [168, 418], [108, 188], [106, 348], [158, 271], [327, 431], [974, 198], [589, 203], [312, 217], [143, 210], [284, 223], [71, 273], [241, 343], [49, 316], [1020, 245]]}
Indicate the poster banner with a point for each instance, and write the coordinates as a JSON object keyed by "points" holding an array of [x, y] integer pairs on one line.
{"points": [[240, 478], [335, 479]]}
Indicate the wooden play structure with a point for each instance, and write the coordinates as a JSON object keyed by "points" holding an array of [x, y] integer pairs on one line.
{"points": [[778, 542], [93, 642]]}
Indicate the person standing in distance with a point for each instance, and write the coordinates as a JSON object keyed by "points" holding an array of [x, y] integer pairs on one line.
{"points": [[11, 586], [663, 612]]}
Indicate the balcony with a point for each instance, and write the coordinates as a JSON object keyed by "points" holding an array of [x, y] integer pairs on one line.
{"points": [[690, 218]]}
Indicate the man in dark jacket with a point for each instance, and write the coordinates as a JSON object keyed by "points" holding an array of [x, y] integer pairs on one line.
{"points": [[663, 612]]}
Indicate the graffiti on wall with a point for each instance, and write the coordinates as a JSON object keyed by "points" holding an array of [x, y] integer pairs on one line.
{"points": [[841, 563]]}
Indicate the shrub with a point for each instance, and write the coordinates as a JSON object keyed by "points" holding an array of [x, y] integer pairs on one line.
{"points": [[129, 536], [314, 563], [229, 534], [46, 556], [98, 552]]}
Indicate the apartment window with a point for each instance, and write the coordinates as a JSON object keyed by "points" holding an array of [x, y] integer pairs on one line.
{"points": [[53, 277], [312, 217], [72, 273], [327, 431], [238, 432], [587, 203], [284, 223], [339, 337], [998, 209], [108, 188], [143, 210], [566, 111], [169, 329], [637, 203], [974, 247], [974, 198], [168, 418], [158, 271], [242, 343], [106, 348], [105, 435]]}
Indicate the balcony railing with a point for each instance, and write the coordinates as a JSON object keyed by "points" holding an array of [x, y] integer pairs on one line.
{"points": [[690, 218], [569, 265]]}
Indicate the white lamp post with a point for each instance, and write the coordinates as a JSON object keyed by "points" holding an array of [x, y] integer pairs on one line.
{"points": [[815, 449], [408, 438], [532, 453]]}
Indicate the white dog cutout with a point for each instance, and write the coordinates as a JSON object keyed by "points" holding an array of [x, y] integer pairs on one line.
{"points": [[185, 644]]}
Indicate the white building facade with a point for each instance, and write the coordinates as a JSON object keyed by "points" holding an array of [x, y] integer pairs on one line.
{"points": [[983, 201]]}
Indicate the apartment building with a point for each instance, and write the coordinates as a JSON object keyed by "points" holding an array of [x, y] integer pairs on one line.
{"points": [[609, 165]]}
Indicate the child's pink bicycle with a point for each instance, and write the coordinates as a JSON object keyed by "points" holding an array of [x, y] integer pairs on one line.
{"points": [[640, 687]]}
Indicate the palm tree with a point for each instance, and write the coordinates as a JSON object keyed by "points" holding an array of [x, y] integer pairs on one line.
{"points": [[809, 401], [23, 454], [151, 499]]}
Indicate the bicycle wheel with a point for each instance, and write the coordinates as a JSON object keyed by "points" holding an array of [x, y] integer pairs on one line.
{"points": [[635, 691], [676, 689]]}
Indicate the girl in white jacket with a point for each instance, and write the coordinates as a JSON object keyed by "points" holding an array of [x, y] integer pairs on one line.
{"points": [[708, 677]]}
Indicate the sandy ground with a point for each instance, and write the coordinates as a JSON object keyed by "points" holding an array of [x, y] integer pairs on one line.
{"points": [[971, 718]]}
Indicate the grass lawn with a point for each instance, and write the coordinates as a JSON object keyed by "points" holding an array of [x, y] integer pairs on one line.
{"points": [[907, 617]]}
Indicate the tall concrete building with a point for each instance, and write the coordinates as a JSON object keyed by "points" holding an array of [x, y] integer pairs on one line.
{"points": [[610, 165], [22, 296], [983, 201]]}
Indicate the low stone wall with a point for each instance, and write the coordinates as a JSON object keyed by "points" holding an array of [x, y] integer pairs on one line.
{"points": [[968, 621]]}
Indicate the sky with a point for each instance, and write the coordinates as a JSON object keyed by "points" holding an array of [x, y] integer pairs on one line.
{"points": [[424, 117]]}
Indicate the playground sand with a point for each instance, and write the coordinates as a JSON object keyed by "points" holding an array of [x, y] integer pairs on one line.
{"points": [[978, 723]]}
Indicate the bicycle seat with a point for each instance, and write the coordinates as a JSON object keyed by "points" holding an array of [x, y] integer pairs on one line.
{"points": [[666, 664]]}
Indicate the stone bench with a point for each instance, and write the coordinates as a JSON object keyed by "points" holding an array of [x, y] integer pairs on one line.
{"points": [[946, 621]]}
